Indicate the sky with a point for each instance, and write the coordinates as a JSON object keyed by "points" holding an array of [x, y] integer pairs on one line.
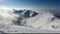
{"points": [[31, 3]]}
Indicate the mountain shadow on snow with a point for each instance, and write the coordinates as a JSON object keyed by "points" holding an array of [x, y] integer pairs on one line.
{"points": [[27, 13]]}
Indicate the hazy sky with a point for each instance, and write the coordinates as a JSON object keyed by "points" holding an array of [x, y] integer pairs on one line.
{"points": [[30, 3]]}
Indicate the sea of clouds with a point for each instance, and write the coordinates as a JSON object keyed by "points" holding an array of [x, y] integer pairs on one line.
{"points": [[47, 19]]}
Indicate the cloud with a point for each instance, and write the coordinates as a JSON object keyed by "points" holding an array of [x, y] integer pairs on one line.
{"points": [[5, 7]]}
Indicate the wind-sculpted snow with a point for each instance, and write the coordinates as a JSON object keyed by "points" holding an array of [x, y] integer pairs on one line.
{"points": [[19, 19]]}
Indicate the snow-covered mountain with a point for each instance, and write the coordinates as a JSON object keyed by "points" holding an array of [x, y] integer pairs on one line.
{"points": [[25, 21]]}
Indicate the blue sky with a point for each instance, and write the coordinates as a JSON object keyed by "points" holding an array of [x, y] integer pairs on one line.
{"points": [[31, 3]]}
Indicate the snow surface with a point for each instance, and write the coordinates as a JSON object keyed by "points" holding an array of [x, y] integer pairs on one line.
{"points": [[29, 21]]}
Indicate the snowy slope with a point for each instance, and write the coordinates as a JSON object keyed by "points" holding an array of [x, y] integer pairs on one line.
{"points": [[28, 21]]}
